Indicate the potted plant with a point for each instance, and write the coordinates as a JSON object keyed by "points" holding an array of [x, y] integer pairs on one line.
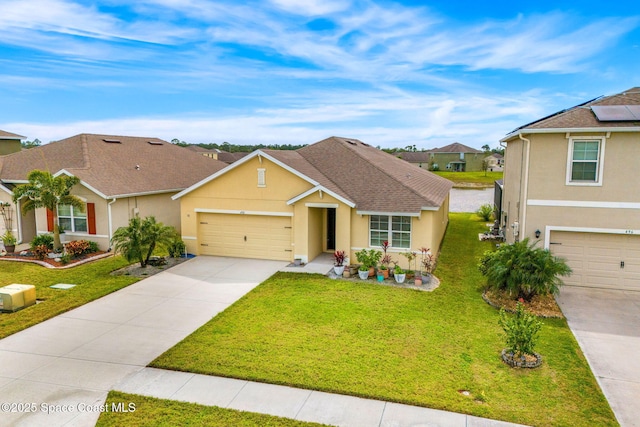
{"points": [[369, 258], [338, 265], [399, 274], [363, 272], [411, 257], [427, 261], [9, 241]]}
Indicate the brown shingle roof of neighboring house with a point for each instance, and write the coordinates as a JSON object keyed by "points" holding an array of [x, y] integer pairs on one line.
{"points": [[456, 147], [114, 165], [582, 116], [198, 149], [414, 156], [9, 135], [227, 157]]}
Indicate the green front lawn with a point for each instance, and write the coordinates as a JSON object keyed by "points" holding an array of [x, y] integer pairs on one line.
{"points": [[471, 177], [420, 348], [148, 411], [92, 279]]}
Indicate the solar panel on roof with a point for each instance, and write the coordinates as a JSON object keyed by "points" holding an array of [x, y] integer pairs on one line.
{"points": [[616, 113]]}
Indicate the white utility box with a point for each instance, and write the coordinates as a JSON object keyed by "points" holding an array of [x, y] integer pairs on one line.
{"points": [[16, 296]]}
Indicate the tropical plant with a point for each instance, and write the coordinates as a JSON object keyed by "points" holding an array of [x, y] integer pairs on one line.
{"points": [[485, 212], [523, 271], [398, 270], [339, 257], [369, 258], [75, 248], [8, 238], [411, 257], [427, 260], [40, 251], [138, 240], [176, 248], [42, 239], [47, 191], [521, 330]]}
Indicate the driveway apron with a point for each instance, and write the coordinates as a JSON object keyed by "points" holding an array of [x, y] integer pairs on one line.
{"points": [[606, 324], [60, 371]]}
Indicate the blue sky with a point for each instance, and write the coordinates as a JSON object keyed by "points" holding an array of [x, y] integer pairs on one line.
{"points": [[293, 71]]}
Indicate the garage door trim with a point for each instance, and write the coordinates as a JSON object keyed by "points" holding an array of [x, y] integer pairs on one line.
{"points": [[549, 228], [241, 212]]}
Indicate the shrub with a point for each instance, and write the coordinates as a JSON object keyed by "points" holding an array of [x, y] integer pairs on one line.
{"points": [[369, 258], [40, 251], [93, 247], [176, 248], [42, 239], [521, 330], [65, 259], [485, 212], [75, 248], [523, 271]]}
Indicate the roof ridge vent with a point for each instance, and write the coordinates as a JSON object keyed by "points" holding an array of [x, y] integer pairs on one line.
{"points": [[350, 142], [112, 141], [155, 142]]}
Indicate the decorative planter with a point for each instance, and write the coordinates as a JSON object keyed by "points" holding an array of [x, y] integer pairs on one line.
{"points": [[516, 362], [385, 273], [338, 269], [10, 248], [400, 277], [364, 275], [372, 271], [418, 281], [426, 278], [380, 277], [353, 269], [347, 273]]}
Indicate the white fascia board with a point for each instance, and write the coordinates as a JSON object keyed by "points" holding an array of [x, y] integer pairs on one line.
{"points": [[145, 193], [242, 212], [570, 130], [322, 205], [2, 187], [83, 183], [430, 208], [583, 204], [257, 153], [321, 188], [412, 214]]}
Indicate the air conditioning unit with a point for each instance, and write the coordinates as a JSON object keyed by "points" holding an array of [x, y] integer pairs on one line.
{"points": [[16, 297]]}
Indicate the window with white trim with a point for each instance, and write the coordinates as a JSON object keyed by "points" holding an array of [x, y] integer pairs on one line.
{"points": [[72, 219], [584, 165], [395, 229]]}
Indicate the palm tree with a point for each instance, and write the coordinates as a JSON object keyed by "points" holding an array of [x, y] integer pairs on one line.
{"points": [[140, 238], [47, 191]]}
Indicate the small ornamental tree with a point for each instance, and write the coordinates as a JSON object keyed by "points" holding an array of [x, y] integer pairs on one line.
{"points": [[523, 271], [521, 330], [485, 211], [141, 237]]}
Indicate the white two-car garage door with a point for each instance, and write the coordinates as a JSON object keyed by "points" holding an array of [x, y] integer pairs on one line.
{"points": [[245, 236], [599, 260]]}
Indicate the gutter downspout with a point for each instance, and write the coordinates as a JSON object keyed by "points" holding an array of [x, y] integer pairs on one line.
{"points": [[110, 220], [19, 217], [526, 185]]}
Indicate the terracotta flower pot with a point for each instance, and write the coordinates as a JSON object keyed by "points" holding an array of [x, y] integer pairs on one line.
{"points": [[385, 273]]}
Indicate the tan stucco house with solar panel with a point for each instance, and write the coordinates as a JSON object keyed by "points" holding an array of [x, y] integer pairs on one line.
{"points": [[120, 177], [336, 194], [572, 179]]}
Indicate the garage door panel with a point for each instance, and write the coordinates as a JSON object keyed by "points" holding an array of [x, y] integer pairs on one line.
{"points": [[245, 236], [595, 259]]}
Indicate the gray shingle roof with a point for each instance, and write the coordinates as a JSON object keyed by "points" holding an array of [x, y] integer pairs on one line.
{"points": [[133, 165]]}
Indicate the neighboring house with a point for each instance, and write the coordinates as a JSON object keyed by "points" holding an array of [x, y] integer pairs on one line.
{"points": [[572, 179], [121, 176], [495, 162], [10, 142], [217, 154], [336, 194], [453, 157]]}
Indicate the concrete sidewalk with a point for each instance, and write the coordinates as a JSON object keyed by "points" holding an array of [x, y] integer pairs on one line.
{"points": [[294, 403], [68, 364]]}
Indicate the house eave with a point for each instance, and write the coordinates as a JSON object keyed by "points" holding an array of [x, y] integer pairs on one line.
{"points": [[529, 131], [323, 189]]}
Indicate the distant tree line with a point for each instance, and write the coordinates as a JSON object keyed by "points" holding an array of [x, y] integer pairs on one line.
{"points": [[31, 144], [236, 148]]}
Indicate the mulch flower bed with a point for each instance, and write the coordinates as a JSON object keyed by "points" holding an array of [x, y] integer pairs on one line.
{"points": [[541, 306], [51, 262]]}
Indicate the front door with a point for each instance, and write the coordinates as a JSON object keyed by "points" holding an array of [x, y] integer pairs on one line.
{"points": [[331, 229]]}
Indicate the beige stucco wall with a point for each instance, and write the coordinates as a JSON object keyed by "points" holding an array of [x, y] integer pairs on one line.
{"points": [[547, 181]]}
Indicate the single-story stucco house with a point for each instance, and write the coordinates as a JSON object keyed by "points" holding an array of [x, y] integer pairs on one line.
{"points": [[336, 194], [120, 177]]}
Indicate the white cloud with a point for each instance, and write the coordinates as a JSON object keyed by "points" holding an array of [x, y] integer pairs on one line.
{"points": [[312, 7]]}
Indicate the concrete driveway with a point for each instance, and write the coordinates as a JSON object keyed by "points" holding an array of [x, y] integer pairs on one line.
{"points": [[606, 324], [66, 365]]}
